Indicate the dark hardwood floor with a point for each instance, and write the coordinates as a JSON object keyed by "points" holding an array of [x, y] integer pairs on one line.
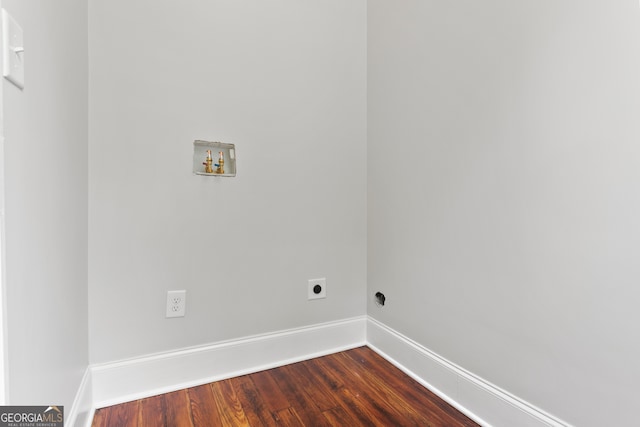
{"points": [[347, 389]]}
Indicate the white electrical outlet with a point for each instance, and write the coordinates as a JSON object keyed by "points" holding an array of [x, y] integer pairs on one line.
{"points": [[317, 288], [176, 303]]}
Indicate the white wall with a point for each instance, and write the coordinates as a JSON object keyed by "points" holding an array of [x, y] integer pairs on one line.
{"points": [[286, 82], [46, 205], [503, 198]]}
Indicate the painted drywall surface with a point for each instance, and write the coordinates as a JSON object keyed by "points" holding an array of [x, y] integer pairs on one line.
{"points": [[503, 202], [46, 205], [283, 80]]}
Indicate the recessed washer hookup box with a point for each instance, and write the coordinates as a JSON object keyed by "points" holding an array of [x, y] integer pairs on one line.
{"points": [[214, 158]]}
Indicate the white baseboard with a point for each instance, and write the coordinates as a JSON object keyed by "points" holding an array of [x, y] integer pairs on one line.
{"points": [[138, 378], [478, 399], [82, 408], [124, 381]]}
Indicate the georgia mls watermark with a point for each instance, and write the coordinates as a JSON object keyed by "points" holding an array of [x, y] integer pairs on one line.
{"points": [[31, 416]]}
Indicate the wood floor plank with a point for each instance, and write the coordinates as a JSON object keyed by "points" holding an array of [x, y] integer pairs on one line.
{"points": [[305, 407], [324, 376], [408, 390], [204, 411], [152, 412], [340, 417], [365, 395], [331, 383], [178, 409], [315, 390], [269, 390], [229, 407], [288, 417], [124, 415], [100, 417], [364, 413], [347, 389], [255, 408], [385, 392]]}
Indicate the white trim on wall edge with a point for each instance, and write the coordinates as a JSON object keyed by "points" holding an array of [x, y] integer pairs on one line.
{"points": [[81, 412], [142, 377], [480, 400]]}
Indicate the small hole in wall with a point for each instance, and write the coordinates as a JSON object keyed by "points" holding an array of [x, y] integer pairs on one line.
{"points": [[380, 298]]}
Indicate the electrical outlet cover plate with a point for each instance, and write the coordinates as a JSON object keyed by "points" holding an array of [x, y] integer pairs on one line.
{"points": [[176, 303], [323, 288], [13, 49]]}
